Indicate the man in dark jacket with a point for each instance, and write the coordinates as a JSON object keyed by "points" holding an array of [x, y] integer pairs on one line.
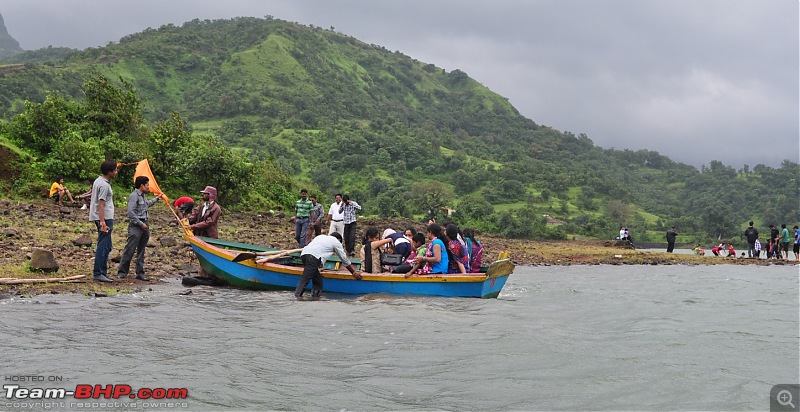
{"points": [[203, 220], [672, 234], [751, 234]]}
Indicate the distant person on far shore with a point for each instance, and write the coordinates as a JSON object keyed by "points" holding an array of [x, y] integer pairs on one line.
{"points": [[757, 249], [717, 250], [672, 234], [785, 240], [796, 247], [751, 234], [731, 250]]}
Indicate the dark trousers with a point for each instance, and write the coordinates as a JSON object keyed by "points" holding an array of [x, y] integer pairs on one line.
{"points": [[136, 243], [670, 247], [751, 249], [350, 237], [103, 249], [313, 231], [311, 267]]}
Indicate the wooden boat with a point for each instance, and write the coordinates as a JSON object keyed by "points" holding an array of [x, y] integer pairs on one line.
{"points": [[217, 258]]}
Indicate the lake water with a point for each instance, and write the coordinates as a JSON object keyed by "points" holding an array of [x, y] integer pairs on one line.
{"points": [[558, 338]]}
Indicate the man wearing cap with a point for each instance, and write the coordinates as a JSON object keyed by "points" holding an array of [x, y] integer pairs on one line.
{"points": [[203, 220], [138, 228]]}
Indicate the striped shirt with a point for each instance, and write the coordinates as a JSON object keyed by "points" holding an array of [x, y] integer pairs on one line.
{"points": [[348, 211], [303, 208]]}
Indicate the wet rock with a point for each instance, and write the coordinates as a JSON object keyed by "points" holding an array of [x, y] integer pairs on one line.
{"points": [[43, 260], [151, 243], [117, 257], [10, 232], [168, 241], [83, 241], [100, 294], [189, 268], [65, 210]]}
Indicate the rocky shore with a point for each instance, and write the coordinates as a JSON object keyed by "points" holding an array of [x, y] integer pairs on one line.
{"points": [[60, 242]]}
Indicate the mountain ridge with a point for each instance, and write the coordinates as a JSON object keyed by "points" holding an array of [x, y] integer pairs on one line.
{"points": [[339, 114]]}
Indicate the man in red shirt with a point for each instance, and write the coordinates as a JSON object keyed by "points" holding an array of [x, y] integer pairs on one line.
{"points": [[183, 206]]}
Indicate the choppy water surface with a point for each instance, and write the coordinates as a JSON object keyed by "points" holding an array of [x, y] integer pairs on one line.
{"points": [[576, 338]]}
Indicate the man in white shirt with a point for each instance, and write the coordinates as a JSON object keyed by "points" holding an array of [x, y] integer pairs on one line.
{"points": [[314, 256], [336, 218]]}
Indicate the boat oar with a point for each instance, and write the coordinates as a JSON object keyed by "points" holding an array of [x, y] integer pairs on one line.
{"points": [[273, 253]]}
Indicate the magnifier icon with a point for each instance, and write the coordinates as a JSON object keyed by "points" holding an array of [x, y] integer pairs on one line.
{"points": [[784, 398]]}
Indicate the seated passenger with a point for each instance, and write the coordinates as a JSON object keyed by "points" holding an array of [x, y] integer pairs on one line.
{"points": [[371, 251], [474, 249], [460, 261], [436, 257], [418, 249], [400, 245]]}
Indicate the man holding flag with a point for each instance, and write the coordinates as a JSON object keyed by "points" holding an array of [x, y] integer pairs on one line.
{"points": [[138, 228]]}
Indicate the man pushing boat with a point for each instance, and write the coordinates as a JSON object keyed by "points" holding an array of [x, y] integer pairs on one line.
{"points": [[314, 256]]}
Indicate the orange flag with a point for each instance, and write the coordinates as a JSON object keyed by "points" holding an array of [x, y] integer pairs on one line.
{"points": [[143, 169]]}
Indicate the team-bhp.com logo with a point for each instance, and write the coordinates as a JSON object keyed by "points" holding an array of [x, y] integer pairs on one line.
{"points": [[89, 393]]}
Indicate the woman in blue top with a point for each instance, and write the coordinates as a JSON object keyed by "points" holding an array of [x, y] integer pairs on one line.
{"points": [[437, 257]]}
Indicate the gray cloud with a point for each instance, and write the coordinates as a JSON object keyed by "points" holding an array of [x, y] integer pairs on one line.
{"points": [[695, 80]]}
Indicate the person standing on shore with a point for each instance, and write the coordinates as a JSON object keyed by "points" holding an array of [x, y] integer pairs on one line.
{"points": [[315, 217], [672, 234], [783, 251], [348, 211], [203, 220], [302, 209], [336, 218], [751, 234], [138, 228], [796, 247], [101, 212]]}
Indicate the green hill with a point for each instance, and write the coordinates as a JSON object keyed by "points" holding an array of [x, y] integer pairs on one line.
{"points": [[400, 135]]}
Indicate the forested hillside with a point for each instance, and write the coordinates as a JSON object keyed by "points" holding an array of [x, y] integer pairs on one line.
{"points": [[319, 109]]}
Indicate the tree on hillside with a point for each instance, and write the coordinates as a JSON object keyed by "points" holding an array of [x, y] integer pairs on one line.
{"points": [[429, 194]]}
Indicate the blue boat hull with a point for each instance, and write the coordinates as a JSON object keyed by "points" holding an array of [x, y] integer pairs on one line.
{"points": [[251, 275]]}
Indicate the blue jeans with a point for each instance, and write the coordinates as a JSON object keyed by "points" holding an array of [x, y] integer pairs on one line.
{"points": [[300, 230], [103, 249]]}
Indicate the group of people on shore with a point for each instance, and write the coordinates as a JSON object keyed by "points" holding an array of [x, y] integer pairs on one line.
{"points": [[775, 247], [202, 220]]}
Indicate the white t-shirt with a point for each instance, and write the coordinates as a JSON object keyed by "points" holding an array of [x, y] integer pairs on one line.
{"points": [[334, 211]]}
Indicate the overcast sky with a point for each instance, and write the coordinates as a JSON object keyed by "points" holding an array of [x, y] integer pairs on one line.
{"points": [[696, 80]]}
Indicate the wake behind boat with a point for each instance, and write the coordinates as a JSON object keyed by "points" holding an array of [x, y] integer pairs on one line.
{"points": [[219, 258]]}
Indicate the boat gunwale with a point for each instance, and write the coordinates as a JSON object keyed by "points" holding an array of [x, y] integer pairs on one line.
{"points": [[338, 274]]}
